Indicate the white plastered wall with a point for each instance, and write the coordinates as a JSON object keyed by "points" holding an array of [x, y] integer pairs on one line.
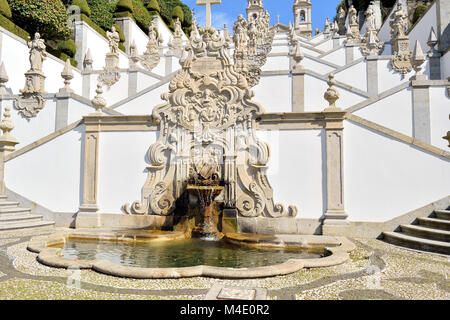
{"points": [[422, 29], [315, 89], [439, 116], [394, 112], [295, 169], [50, 174], [336, 57], [144, 103], [355, 76], [385, 178], [281, 101], [122, 168], [445, 66]]}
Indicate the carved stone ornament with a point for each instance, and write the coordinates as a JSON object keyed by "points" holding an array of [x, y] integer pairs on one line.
{"points": [[371, 45], [151, 57], [110, 74], [401, 62], [353, 35], [29, 104], [176, 43], [208, 121], [253, 42]]}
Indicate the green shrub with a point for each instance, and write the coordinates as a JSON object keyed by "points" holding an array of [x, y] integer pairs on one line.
{"points": [[141, 14], [124, 5], [178, 13], [5, 9], [49, 18], [120, 32], [68, 47], [419, 12], [153, 5], [83, 5], [11, 27], [102, 13]]}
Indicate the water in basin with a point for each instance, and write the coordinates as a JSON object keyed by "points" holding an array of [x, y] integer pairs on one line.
{"points": [[182, 253]]}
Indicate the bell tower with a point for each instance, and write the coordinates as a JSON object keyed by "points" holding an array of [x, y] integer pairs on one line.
{"points": [[255, 9], [302, 18]]}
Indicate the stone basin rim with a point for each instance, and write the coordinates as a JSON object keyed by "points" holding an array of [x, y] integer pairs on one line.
{"points": [[337, 253]]}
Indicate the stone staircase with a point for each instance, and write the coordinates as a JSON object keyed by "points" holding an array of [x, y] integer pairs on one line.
{"points": [[15, 218], [428, 233]]}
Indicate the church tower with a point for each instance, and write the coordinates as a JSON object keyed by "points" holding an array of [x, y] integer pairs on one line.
{"points": [[302, 18], [255, 8]]}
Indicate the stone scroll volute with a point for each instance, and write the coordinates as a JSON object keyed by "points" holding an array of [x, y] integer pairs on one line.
{"points": [[208, 120]]}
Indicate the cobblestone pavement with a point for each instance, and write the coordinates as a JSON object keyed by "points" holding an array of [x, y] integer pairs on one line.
{"points": [[376, 270]]}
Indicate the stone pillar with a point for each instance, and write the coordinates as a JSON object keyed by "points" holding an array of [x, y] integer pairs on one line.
{"points": [[421, 110], [80, 41], [443, 24], [169, 63], [62, 110], [132, 81], [86, 89], [298, 90], [372, 75], [334, 143], [88, 216], [126, 24], [7, 145], [349, 53]]}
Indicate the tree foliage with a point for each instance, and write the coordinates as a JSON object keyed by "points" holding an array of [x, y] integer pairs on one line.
{"points": [[48, 17]]}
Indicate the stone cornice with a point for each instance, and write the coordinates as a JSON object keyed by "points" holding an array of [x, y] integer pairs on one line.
{"points": [[302, 121]]}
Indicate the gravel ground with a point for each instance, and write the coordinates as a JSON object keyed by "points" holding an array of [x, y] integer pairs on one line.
{"points": [[376, 270]]}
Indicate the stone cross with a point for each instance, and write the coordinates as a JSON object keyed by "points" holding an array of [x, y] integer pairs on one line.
{"points": [[208, 4]]}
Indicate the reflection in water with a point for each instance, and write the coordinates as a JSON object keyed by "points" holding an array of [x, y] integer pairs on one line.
{"points": [[181, 253]]}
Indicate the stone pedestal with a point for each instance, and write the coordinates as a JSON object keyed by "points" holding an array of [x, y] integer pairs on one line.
{"points": [[334, 143], [298, 90], [421, 109], [88, 216], [111, 73], [34, 82], [7, 145], [372, 75]]}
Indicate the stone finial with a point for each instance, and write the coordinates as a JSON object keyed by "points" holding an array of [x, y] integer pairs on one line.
{"points": [[298, 56], [99, 101], [3, 79], [332, 94], [432, 39], [7, 142], [87, 62], [417, 60], [134, 55], [67, 75], [6, 124]]}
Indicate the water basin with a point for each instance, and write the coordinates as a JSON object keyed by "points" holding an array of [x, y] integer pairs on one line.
{"points": [[182, 253]]}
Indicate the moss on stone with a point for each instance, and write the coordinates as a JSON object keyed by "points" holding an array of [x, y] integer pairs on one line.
{"points": [[5, 10]]}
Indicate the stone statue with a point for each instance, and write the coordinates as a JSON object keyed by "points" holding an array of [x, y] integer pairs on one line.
{"points": [[176, 43], [353, 16], [113, 39], [37, 53], [341, 21], [399, 23], [240, 33], [371, 45]]}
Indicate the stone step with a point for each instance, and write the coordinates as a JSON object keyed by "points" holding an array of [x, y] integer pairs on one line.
{"points": [[8, 204], [19, 218], [427, 233], [404, 240], [9, 211], [442, 214], [27, 225], [434, 223]]}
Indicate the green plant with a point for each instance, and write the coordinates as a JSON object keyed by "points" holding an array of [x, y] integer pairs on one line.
{"points": [[68, 47], [178, 13], [153, 5], [11, 27], [49, 18], [102, 13], [120, 32], [419, 12], [124, 5], [83, 5], [5, 9], [141, 14]]}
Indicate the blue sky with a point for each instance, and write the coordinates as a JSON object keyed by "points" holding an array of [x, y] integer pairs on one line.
{"points": [[228, 11]]}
